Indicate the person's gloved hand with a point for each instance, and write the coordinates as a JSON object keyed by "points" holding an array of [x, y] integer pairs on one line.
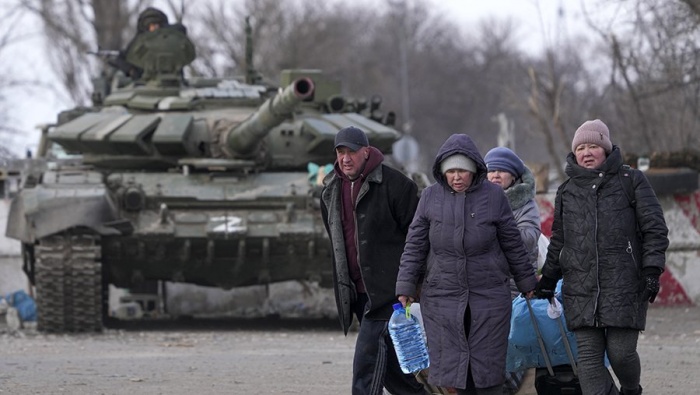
{"points": [[652, 287], [545, 288]]}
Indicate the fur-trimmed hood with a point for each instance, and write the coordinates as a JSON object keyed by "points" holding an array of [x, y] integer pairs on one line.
{"points": [[522, 191]]}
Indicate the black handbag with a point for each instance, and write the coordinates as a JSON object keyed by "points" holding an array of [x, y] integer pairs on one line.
{"points": [[562, 382]]}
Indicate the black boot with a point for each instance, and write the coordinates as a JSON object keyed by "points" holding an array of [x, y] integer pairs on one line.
{"points": [[637, 392]]}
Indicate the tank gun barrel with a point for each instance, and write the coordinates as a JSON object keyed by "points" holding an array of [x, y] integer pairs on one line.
{"points": [[244, 137]]}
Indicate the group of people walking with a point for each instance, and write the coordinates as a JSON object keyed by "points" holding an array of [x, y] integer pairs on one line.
{"points": [[468, 244]]}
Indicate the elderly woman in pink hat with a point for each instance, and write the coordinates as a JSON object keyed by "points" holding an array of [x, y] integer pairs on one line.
{"points": [[608, 243]]}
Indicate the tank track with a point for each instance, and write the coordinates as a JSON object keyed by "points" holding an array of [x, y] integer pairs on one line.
{"points": [[69, 286]]}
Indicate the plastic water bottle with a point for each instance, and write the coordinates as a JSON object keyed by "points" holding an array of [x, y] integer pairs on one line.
{"points": [[409, 340]]}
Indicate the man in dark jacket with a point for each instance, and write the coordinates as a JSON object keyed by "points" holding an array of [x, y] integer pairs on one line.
{"points": [[609, 241], [367, 208]]}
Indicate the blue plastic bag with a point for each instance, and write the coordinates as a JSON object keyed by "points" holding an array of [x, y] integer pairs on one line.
{"points": [[523, 347], [23, 303]]}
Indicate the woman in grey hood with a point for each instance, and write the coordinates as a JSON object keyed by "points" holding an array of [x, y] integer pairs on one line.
{"points": [[506, 169], [464, 245]]}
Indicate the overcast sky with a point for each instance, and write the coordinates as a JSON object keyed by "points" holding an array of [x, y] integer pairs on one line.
{"points": [[540, 23]]}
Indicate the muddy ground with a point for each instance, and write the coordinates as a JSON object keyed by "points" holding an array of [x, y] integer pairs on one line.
{"points": [[270, 356]]}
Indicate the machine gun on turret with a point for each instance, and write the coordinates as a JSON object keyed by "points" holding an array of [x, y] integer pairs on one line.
{"points": [[108, 55]]}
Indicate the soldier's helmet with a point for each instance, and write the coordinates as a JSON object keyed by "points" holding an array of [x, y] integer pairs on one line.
{"points": [[151, 15]]}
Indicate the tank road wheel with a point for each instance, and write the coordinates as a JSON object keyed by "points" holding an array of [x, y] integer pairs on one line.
{"points": [[68, 283]]}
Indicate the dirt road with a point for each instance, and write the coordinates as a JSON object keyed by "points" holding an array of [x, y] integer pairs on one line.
{"points": [[264, 356]]}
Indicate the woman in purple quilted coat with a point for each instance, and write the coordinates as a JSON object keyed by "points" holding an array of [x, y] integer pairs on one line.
{"points": [[462, 247]]}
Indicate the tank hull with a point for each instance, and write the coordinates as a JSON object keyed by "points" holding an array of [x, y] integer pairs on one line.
{"points": [[220, 230]]}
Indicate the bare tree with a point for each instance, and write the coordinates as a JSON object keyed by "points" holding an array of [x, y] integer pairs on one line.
{"points": [[655, 83], [548, 118], [563, 94], [11, 19], [74, 28], [443, 81], [220, 41], [11, 82]]}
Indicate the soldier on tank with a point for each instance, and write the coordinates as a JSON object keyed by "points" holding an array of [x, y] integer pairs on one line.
{"points": [[150, 20]]}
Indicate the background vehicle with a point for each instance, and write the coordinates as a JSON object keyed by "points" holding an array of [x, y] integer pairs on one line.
{"points": [[202, 181]]}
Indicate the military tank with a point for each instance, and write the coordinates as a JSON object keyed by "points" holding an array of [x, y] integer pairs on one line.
{"points": [[199, 181]]}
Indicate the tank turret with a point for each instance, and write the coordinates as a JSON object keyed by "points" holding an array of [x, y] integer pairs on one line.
{"points": [[221, 123]]}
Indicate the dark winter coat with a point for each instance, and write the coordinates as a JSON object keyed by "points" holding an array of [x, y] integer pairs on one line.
{"points": [[464, 246], [385, 206], [602, 241]]}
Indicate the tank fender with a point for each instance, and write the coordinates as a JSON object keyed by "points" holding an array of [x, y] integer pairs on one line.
{"points": [[40, 211]]}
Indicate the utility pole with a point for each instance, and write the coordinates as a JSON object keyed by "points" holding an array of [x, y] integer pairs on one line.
{"points": [[403, 54], [406, 149]]}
